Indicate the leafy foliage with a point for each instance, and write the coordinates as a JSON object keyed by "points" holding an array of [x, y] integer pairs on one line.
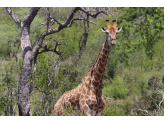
{"points": [[116, 90]]}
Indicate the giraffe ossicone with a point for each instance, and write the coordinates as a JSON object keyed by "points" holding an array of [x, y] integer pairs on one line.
{"points": [[87, 96]]}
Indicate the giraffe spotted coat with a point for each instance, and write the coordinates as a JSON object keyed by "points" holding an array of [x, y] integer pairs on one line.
{"points": [[87, 96]]}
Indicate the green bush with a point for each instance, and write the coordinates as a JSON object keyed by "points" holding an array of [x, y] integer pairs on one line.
{"points": [[113, 109], [116, 90], [5, 51]]}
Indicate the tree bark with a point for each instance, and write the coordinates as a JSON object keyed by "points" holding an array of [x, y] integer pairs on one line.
{"points": [[24, 81]]}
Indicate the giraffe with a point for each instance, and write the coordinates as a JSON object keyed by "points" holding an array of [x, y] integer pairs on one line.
{"points": [[87, 96]]}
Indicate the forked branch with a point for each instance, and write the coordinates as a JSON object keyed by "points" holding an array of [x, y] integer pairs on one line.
{"points": [[47, 49], [91, 14]]}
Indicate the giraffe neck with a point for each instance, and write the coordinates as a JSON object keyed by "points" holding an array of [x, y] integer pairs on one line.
{"points": [[94, 76]]}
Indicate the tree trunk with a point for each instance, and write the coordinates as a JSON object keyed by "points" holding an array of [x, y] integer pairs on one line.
{"points": [[25, 77]]}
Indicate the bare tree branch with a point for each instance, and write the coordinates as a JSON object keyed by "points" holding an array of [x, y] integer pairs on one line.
{"points": [[90, 14], [15, 107], [48, 19], [56, 21], [53, 50], [81, 20], [43, 23], [38, 89], [61, 26], [142, 111], [13, 15], [162, 94]]}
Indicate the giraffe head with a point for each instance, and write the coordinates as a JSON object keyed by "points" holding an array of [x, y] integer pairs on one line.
{"points": [[111, 31]]}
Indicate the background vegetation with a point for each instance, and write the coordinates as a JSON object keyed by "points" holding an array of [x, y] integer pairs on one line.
{"points": [[134, 76]]}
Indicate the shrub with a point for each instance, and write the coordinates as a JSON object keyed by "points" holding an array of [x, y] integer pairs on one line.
{"points": [[117, 89], [112, 109]]}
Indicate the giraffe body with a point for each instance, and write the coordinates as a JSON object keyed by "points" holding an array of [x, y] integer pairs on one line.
{"points": [[87, 96]]}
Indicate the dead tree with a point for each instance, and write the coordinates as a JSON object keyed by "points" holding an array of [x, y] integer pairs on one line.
{"points": [[29, 54]]}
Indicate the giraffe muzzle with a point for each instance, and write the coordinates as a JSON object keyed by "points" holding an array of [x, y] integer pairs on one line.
{"points": [[113, 43]]}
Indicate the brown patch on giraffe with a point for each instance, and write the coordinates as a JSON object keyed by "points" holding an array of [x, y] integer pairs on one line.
{"points": [[105, 56], [106, 46], [77, 102], [77, 96], [100, 101], [86, 97], [84, 91], [82, 96], [100, 70], [88, 101], [91, 106], [101, 107], [100, 85], [97, 78], [73, 98], [105, 52], [92, 94], [96, 84], [85, 107], [69, 99], [101, 65], [95, 107], [82, 102], [98, 75], [103, 60], [88, 92], [94, 101]]}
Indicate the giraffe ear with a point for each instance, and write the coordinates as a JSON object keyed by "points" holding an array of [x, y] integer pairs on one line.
{"points": [[103, 29], [119, 29]]}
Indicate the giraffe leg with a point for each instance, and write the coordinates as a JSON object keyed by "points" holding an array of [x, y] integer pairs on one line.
{"points": [[93, 113], [88, 114], [99, 113], [86, 110]]}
